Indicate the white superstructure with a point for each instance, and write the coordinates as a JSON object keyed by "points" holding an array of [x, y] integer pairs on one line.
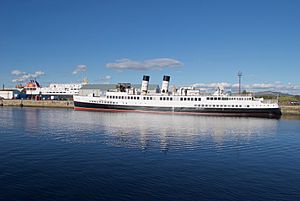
{"points": [[182, 100], [34, 88]]}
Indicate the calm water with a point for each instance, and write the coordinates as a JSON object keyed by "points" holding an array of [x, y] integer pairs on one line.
{"points": [[58, 154]]}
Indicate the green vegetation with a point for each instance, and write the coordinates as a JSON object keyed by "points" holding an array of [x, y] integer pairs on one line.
{"points": [[286, 100], [283, 100]]}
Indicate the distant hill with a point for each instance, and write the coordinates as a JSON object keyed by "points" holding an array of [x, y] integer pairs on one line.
{"points": [[271, 93]]}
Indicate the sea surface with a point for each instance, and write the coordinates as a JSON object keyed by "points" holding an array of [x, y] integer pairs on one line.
{"points": [[61, 154]]}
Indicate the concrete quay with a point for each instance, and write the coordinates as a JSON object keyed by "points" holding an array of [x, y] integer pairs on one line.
{"points": [[285, 109], [290, 109], [39, 103]]}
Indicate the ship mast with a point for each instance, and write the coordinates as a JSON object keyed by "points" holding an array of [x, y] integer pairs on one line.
{"points": [[240, 74]]}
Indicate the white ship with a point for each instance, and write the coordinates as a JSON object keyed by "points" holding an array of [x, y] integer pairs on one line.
{"points": [[184, 100], [33, 88]]}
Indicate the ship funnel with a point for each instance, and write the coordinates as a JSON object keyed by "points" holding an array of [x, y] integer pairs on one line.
{"points": [[165, 84], [145, 83]]}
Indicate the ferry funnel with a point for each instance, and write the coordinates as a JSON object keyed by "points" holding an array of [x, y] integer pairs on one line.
{"points": [[165, 84], [145, 84]]}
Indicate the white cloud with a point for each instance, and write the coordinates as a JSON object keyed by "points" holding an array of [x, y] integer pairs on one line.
{"points": [[276, 86], [151, 64], [263, 86], [212, 85], [21, 76], [106, 79], [80, 68], [17, 72]]}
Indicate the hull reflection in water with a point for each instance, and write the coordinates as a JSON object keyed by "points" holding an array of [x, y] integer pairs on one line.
{"points": [[56, 153], [148, 130], [144, 131]]}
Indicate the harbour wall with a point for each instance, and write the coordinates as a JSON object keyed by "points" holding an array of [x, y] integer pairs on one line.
{"points": [[286, 109], [39, 103], [290, 109]]}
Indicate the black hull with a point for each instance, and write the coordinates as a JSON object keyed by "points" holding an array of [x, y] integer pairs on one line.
{"points": [[237, 112]]}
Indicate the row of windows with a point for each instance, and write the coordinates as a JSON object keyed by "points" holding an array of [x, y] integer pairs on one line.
{"points": [[61, 92], [137, 98], [147, 98], [170, 98], [166, 98], [196, 105], [219, 105], [190, 99], [152, 98], [124, 97], [225, 98], [109, 102]]}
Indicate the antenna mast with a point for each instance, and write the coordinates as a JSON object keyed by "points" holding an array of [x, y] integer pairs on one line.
{"points": [[240, 74]]}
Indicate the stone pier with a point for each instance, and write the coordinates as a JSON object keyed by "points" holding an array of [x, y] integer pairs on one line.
{"points": [[39, 103]]}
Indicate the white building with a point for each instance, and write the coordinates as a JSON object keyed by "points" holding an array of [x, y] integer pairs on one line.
{"points": [[9, 93]]}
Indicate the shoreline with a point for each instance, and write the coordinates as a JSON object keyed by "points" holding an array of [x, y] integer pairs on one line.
{"points": [[39, 103], [290, 110], [285, 109]]}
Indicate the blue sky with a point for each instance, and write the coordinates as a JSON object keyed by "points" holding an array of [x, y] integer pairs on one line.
{"points": [[203, 42]]}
